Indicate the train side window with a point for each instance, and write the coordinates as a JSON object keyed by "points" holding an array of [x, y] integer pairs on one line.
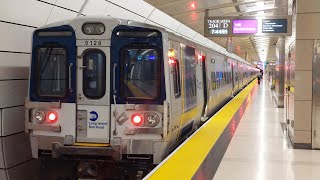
{"points": [[213, 81], [94, 74], [218, 80], [176, 79], [227, 78]]}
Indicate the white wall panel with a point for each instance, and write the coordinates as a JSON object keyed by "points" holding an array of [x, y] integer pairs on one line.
{"points": [[12, 120], [16, 149], [27, 12], [308, 26], [163, 19], [26, 171], [118, 12], [138, 6], [14, 59], [3, 175], [12, 93], [70, 4], [59, 14], [9, 73], [15, 37], [95, 7], [50, 1]]}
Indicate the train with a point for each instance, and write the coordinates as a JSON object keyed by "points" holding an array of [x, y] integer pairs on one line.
{"points": [[122, 90]]}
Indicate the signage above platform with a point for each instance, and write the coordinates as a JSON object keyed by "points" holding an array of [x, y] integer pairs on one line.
{"points": [[230, 26], [274, 25], [245, 26]]}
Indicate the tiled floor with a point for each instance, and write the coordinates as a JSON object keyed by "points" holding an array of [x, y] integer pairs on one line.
{"points": [[259, 149]]}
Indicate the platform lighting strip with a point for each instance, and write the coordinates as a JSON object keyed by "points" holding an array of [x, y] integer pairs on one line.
{"points": [[184, 162]]}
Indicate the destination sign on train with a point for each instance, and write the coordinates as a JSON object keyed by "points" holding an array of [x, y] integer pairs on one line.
{"points": [[229, 26]]}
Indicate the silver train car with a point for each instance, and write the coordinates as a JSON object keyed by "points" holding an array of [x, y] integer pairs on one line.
{"points": [[122, 90]]}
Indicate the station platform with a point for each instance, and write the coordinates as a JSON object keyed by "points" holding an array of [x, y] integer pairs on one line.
{"points": [[251, 145], [260, 148]]}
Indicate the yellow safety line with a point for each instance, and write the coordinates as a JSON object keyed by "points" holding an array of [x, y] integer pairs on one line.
{"points": [[185, 162], [92, 144]]}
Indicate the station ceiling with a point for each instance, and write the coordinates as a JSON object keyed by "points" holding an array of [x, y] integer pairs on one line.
{"points": [[192, 13]]}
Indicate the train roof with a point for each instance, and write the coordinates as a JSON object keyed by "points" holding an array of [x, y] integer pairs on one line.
{"points": [[209, 44]]}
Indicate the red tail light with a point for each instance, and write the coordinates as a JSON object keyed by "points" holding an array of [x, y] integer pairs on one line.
{"points": [[171, 61], [137, 119], [52, 116]]}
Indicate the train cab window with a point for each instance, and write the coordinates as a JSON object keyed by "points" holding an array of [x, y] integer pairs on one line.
{"points": [[94, 74], [140, 73], [176, 78], [52, 72]]}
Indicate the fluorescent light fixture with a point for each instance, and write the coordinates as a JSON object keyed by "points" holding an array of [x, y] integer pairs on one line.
{"points": [[260, 4]]}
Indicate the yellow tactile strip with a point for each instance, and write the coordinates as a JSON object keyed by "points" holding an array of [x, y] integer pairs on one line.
{"points": [[186, 160]]}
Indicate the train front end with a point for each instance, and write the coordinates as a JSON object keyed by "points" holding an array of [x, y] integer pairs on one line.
{"points": [[97, 89]]}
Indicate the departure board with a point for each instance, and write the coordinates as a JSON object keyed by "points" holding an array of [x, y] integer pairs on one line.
{"points": [[274, 25]]}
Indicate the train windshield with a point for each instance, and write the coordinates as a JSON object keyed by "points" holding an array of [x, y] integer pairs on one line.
{"points": [[52, 75], [140, 69]]}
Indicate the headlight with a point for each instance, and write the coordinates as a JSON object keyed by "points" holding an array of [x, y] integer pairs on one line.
{"points": [[100, 28], [40, 116], [93, 28], [152, 119]]}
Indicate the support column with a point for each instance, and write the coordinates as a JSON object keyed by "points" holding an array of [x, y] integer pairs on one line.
{"points": [[308, 30], [282, 9], [280, 71]]}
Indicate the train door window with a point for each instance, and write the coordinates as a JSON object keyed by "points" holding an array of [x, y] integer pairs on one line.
{"points": [[228, 77], [221, 79], [94, 74], [213, 81], [194, 84], [52, 72], [218, 80], [176, 78]]}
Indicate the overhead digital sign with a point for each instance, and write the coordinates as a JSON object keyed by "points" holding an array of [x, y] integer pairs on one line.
{"points": [[219, 26], [231, 26], [274, 25], [245, 26]]}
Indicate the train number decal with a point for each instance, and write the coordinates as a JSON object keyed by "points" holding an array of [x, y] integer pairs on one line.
{"points": [[92, 43]]}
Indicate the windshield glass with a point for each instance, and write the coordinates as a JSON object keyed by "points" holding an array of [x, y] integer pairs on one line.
{"points": [[140, 69], [52, 78]]}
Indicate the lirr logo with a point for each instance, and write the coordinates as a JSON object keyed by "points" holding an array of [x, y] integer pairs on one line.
{"points": [[93, 116]]}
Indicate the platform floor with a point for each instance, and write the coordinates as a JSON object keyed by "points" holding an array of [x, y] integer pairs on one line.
{"points": [[259, 149]]}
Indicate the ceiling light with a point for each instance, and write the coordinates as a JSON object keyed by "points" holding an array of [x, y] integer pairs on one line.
{"points": [[260, 12], [192, 5], [260, 4]]}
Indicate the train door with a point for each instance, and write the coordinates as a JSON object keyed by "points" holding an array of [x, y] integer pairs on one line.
{"points": [[175, 91], [232, 77], [316, 97], [93, 102], [205, 85]]}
